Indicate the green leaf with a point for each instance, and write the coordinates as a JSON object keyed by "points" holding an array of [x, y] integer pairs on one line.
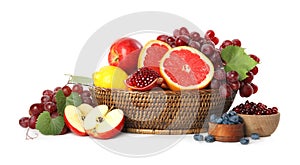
{"points": [[49, 126], [60, 102], [236, 59], [74, 99]]}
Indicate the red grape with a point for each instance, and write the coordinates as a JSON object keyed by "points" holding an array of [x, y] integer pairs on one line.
{"points": [[56, 89], [214, 84], [246, 90], [50, 107], [255, 88], [254, 70], [194, 44], [184, 31], [236, 42], [225, 91], [225, 44], [176, 33], [254, 57], [67, 90], [207, 49], [87, 100], [48, 93], [24, 122], [54, 114], [232, 76], [249, 78], [77, 88], [86, 93], [45, 98], [54, 98], [36, 109], [64, 130], [235, 85], [32, 122], [220, 74], [195, 36]]}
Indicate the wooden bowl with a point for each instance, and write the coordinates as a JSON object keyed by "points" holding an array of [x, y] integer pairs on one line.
{"points": [[264, 125], [226, 132]]}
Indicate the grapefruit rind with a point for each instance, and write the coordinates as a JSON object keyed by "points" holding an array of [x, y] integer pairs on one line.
{"points": [[145, 47], [177, 87]]}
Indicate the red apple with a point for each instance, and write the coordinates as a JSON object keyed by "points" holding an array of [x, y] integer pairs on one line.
{"points": [[73, 117], [124, 53], [104, 124]]}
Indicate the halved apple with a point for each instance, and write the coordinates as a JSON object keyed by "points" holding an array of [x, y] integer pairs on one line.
{"points": [[74, 118], [85, 109], [104, 124]]}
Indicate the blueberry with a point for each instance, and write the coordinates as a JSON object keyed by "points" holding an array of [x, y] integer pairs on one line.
{"points": [[209, 138], [224, 115], [244, 141], [198, 137], [213, 118], [255, 136], [234, 119], [219, 120], [232, 113], [226, 121]]}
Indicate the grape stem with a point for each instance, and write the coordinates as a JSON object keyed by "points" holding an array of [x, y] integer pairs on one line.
{"points": [[79, 80], [29, 137]]}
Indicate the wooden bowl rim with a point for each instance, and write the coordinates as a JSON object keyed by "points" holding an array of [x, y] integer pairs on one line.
{"points": [[259, 116]]}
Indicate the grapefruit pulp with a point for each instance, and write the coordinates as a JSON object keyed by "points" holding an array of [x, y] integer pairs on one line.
{"points": [[186, 68], [152, 53]]}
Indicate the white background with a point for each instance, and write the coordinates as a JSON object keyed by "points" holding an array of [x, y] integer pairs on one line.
{"points": [[40, 42]]}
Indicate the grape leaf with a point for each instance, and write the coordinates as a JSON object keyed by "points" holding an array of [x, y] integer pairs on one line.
{"points": [[237, 59], [60, 102], [74, 99], [49, 126]]}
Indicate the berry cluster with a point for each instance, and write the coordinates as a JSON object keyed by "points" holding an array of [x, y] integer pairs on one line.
{"points": [[227, 118], [48, 103], [229, 82], [207, 138], [251, 108], [246, 140]]}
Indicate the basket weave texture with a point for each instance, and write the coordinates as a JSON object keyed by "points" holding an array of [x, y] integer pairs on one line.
{"points": [[164, 112]]}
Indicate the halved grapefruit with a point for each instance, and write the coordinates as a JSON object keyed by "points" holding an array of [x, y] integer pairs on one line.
{"points": [[152, 53], [186, 68]]}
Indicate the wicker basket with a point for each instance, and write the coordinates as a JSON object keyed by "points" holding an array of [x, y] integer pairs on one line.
{"points": [[164, 112]]}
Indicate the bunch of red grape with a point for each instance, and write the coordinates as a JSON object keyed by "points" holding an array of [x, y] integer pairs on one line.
{"points": [[232, 83], [48, 103], [227, 83]]}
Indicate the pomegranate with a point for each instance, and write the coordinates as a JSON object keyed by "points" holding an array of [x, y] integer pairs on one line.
{"points": [[144, 79]]}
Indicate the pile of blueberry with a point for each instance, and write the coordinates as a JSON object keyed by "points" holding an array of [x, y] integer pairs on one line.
{"points": [[227, 118], [230, 117]]}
